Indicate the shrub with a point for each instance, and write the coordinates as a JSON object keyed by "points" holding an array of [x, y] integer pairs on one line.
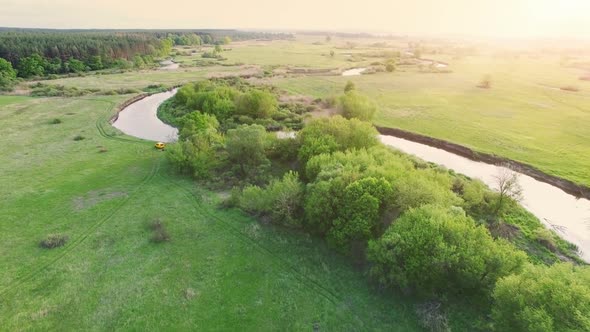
{"points": [[54, 241], [281, 199], [159, 232], [256, 104], [246, 146], [79, 138], [555, 298], [355, 105], [545, 238], [436, 252], [432, 318], [55, 121]]}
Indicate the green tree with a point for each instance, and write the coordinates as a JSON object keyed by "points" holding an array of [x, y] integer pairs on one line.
{"points": [[197, 123], [75, 66], [335, 134], [7, 75], [355, 105], [246, 146], [390, 67], [226, 40], [95, 62], [359, 212], [282, 199], [199, 142], [258, 104], [138, 62], [542, 298], [436, 252], [33, 65], [424, 187], [218, 49], [349, 87]]}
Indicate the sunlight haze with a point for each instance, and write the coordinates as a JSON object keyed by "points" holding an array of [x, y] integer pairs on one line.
{"points": [[501, 18]]}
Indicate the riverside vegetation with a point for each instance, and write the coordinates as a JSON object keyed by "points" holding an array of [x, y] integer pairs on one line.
{"points": [[416, 229]]}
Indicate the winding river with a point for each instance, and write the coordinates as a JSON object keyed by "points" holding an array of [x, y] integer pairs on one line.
{"points": [[562, 212], [140, 119]]}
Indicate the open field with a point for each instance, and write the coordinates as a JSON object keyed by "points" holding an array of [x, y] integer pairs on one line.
{"points": [[219, 271], [524, 116]]}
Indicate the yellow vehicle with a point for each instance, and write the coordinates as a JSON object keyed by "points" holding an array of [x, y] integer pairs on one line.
{"points": [[160, 146]]}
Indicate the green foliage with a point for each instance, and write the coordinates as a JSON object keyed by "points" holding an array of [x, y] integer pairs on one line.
{"points": [[422, 187], [75, 66], [197, 150], [435, 252], [359, 212], [335, 134], [555, 298], [246, 146], [256, 104], [349, 87], [7, 75], [355, 105], [281, 199], [33, 65], [196, 123]]}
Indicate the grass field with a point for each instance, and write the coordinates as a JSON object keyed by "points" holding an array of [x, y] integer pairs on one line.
{"points": [[524, 116], [220, 270]]}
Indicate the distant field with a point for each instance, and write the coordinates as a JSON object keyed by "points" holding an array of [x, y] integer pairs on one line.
{"points": [[220, 271], [524, 116]]}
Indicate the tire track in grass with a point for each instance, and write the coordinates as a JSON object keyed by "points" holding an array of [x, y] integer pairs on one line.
{"points": [[80, 239], [73, 244], [281, 262]]}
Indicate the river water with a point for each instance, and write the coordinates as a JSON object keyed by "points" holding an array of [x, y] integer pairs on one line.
{"points": [[562, 212], [353, 72], [140, 119]]}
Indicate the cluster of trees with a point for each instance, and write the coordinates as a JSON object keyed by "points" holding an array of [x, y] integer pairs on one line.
{"points": [[232, 102], [421, 230], [40, 52]]}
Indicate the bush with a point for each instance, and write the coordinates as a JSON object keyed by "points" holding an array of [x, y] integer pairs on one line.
{"points": [[159, 232], [355, 105], [246, 147], [54, 241], [555, 298], [432, 318], [55, 121], [437, 252], [545, 238], [336, 133], [256, 104], [281, 199], [79, 138]]}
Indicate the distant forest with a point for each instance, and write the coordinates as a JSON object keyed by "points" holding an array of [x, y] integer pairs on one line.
{"points": [[41, 52]]}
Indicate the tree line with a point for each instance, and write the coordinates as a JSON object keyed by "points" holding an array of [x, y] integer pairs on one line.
{"points": [[38, 52]]}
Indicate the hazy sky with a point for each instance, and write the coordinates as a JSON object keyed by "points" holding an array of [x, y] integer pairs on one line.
{"points": [[505, 18]]}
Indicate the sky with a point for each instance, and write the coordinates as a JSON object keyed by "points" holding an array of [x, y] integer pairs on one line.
{"points": [[494, 18]]}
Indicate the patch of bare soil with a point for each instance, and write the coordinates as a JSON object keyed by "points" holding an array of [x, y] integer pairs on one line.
{"points": [[94, 197]]}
